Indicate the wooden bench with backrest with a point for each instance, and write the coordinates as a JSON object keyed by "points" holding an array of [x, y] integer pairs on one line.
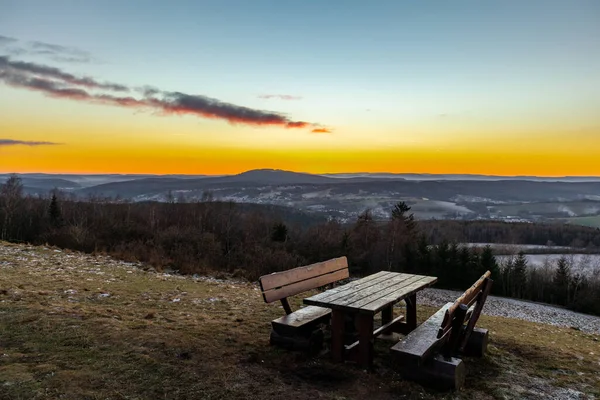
{"points": [[298, 329], [429, 353]]}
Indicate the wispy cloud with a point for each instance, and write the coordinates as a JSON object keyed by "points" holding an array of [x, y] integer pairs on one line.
{"points": [[54, 82], [4, 40], [61, 53], [279, 96], [11, 142], [54, 52], [54, 73], [321, 130]]}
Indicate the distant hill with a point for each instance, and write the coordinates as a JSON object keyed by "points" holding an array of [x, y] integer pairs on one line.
{"points": [[34, 185], [461, 177], [158, 184], [344, 196], [277, 177]]}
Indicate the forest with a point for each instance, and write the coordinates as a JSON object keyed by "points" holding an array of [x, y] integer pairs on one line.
{"points": [[212, 237]]}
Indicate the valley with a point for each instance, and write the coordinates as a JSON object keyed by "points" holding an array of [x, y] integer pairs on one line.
{"points": [[573, 200]]}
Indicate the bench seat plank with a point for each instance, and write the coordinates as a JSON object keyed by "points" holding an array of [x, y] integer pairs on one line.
{"points": [[301, 319], [421, 342]]}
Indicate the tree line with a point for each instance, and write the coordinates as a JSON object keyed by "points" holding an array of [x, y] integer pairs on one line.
{"points": [[545, 234], [211, 236]]}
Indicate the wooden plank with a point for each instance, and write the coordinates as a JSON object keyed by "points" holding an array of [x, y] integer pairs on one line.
{"points": [[421, 342], [362, 284], [465, 298], [474, 317], [359, 294], [305, 285], [341, 291], [378, 301], [390, 286], [283, 278], [302, 316], [383, 329], [451, 347]]}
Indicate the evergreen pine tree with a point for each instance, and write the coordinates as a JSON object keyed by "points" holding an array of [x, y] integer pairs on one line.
{"points": [[562, 278], [280, 233], [400, 212], [54, 211], [488, 263], [519, 277], [507, 275]]}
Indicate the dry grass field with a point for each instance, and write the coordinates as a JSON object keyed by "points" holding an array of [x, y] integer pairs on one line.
{"points": [[75, 326]]}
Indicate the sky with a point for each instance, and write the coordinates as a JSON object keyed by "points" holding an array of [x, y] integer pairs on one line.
{"points": [[224, 86]]}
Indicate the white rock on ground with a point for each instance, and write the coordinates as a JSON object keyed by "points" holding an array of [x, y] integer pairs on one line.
{"points": [[512, 308]]}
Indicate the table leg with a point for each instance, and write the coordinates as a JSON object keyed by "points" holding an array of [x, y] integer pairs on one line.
{"points": [[365, 339], [411, 312], [337, 335], [387, 315]]}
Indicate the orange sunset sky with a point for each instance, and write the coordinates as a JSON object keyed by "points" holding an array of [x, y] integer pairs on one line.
{"points": [[502, 88]]}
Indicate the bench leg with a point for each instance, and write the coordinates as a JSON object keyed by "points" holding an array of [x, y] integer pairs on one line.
{"points": [[364, 324], [411, 312], [477, 343], [337, 335], [438, 372]]}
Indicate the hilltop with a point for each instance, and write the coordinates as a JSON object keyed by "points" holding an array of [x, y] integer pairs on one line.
{"points": [[76, 326]]}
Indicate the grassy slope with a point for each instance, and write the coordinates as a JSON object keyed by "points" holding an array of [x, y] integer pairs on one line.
{"points": [[59, 338]]}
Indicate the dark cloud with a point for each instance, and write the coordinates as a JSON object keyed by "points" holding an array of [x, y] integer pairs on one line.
{"points": [[4, 40], [279, 96], [56, 83], [50, 72], [11, 142], [181, 103]]}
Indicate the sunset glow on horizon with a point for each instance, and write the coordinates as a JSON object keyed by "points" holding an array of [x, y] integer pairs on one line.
{"points": [[501, 88]]}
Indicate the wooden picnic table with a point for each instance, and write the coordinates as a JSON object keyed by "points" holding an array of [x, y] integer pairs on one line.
{"points": [[361, 300]]}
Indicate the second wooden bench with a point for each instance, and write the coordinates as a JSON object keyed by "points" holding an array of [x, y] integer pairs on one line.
{"points": [[429, 354], [298, 329]]}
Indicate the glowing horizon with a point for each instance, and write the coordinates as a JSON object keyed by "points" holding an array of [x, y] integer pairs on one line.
{"points": [[425, 88]]}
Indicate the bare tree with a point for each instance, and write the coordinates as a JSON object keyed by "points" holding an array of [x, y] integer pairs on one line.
{"points": [[11, 193]]}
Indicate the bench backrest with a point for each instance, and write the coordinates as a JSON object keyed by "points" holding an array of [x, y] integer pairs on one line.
{"points": [[280, 285], [466, 308]]}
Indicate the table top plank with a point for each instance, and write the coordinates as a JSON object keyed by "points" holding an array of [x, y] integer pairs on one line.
{"points": [[357, 295], [372, 293], [382, 302], [343, 290], [393, 287]]}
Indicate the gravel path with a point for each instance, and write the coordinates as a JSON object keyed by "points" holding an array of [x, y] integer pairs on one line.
{"points": [[511, 308]]}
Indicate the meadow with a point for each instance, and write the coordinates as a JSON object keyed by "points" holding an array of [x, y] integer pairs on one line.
{"points": [[75, 326]]}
